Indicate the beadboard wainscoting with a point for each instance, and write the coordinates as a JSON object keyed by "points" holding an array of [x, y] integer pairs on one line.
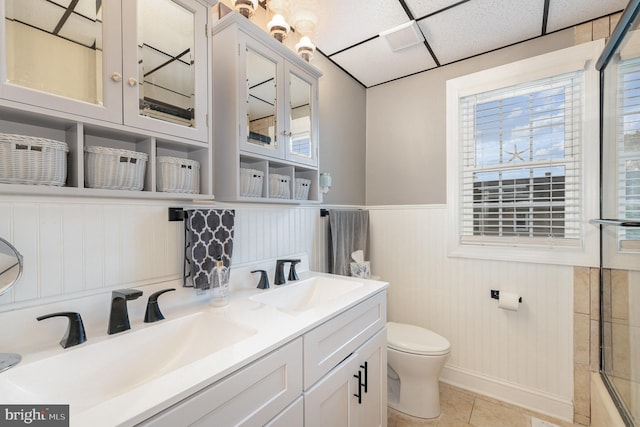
{"points": [[523, 357], [74, 247]]}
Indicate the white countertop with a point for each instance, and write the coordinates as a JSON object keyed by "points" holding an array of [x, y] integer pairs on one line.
{"points": [[273, 328]]}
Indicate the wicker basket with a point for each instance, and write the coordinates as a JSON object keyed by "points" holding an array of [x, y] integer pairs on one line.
{"points": [[176, 175], [114, 169], [251, 182], [31, 160], [302, 186], [279, 186]]}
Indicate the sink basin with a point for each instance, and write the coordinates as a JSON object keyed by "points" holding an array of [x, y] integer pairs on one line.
{"points": [[307, 294], [86, 375]]}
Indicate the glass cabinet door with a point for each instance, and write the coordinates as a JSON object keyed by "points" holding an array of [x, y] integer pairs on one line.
{"points": [[302, 129], [263, 131], [63, 55], [165, 63]]}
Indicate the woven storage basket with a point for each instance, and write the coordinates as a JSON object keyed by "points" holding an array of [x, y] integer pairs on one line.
{"points": [[114, 169], [279, 186], [176, 175], [30, 160], [302, 186], [251, 182]]}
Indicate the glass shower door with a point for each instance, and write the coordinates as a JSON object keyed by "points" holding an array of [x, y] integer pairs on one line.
{"points": [[620, 207]]}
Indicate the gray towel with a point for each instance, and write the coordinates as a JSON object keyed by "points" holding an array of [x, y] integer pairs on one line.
{"points": [[349, 231], [209, 237]]}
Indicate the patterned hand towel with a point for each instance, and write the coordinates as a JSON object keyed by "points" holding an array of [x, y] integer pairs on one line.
{"points": [[209, 237]]}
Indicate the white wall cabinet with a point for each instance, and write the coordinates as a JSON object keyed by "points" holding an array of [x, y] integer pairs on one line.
{"points": [[265, 113], [99, 77], [142, 63], [294, 386]]}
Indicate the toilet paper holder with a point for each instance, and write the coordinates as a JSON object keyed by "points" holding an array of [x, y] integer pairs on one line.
{"points": [[495, 294]]}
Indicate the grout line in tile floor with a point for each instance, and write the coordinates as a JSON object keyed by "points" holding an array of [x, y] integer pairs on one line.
{"points": [[461, 408]]}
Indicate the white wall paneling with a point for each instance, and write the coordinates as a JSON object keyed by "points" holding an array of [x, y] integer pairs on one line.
{"points": [[523, 357], [74, 247]]}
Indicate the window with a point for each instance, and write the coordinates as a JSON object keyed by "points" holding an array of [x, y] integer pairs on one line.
{"points": [[521, 160], [522, 143]]}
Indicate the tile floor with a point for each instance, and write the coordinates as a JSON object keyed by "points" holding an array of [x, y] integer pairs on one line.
{"points": [[463, 408]]}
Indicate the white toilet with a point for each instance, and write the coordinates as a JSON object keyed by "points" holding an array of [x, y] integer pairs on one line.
{"points": [[415, 357]]}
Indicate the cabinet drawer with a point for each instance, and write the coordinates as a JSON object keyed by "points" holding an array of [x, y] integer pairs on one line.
{"points": [[252, 396], [330, 343], [292, 416]]}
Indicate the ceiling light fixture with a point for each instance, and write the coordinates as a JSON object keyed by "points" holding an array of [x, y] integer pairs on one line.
{"points": [[304, 18], [278, 27], [403, 36], [245, 7], [305, 48]]}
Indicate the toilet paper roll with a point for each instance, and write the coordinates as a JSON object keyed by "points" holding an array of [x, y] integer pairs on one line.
{"points": [[508, 301]]}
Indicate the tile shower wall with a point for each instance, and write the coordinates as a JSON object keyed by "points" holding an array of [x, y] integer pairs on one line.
{"points": [[523, 357], [77, 247]]}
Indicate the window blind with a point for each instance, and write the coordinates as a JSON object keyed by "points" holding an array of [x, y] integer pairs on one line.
{"points": [[628, 152], [520, 163]]}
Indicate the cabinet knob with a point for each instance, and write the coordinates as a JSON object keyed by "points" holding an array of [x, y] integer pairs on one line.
{"points": [[116, 77], [132, 81]]}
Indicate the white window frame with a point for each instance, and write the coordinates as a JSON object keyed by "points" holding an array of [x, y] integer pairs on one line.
{"points": [[584, 252]]}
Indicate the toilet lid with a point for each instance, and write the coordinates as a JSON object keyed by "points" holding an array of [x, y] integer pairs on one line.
{"points": [[416, 340]]}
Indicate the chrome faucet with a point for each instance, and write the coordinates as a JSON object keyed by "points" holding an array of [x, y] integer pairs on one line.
{"points": [[119, 316]]}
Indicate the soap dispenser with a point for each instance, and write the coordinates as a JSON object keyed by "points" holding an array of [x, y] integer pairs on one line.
{"points": [[219, 285]]}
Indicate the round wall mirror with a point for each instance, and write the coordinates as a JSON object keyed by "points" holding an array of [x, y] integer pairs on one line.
{"points": [[10, 272], [10, 265]]}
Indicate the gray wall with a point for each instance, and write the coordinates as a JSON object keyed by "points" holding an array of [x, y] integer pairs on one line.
{"points": [[342, 133], [406, 126]]}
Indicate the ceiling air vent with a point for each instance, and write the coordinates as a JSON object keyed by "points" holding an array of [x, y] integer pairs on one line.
{"points": [[403, 36]]}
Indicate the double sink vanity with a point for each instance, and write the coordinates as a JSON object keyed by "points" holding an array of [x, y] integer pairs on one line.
{"points": [[296, 354]]}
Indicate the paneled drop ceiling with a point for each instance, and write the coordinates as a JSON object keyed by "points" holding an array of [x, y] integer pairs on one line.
{"points": [[349, 31]]}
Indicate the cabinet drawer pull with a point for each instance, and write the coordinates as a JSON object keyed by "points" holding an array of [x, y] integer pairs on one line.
{"points": [[359, 393], [366, 374]]}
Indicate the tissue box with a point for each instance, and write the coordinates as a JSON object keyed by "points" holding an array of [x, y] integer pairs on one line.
{"points": [[362, 270]]}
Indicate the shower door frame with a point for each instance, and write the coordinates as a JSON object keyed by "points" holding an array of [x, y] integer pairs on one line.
{"points": [[627, 19]]}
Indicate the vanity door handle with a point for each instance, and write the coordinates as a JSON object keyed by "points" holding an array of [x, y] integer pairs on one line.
{"points": [[366, 374], [359, 393]]}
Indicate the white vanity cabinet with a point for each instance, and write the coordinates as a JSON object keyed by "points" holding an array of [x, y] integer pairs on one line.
{"points": [[123, 74], [265, 114], [263, 392], [346, 368], [141, 63], [310, 381]]}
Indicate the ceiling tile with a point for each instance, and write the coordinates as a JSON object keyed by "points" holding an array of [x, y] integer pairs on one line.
{"points": [[566, 13], [480, 26], [421, 8], [373, 62], [345, 23]]}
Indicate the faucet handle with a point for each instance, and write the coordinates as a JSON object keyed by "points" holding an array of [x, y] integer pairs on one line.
{"points": [[153, 313], [264, 279], [75, 329], [293, 274], [128, 294]]}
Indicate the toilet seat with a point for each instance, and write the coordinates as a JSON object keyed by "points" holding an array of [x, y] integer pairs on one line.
{"points": [[416, 340]]}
